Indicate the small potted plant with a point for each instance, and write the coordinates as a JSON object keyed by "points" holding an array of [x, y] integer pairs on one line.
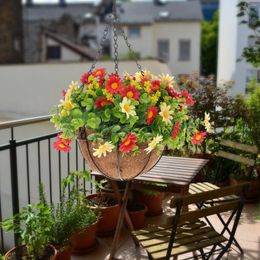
{"points": [[136, 211], [126, 120], [84, 220], [32, 225]]}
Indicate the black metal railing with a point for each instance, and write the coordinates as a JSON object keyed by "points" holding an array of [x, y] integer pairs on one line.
{"points": [[26, 163]]}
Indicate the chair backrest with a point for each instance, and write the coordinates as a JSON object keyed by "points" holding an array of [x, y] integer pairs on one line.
{"points": [[200, 198], [248, 160]]}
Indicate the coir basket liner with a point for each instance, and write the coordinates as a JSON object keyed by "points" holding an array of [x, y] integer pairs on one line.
{"points": [[117, 166]]}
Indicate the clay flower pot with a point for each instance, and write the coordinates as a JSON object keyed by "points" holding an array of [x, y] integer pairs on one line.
{"points": [[153, 202], [118, 167], [20, 251], [136, 213], [84, 241], [64, 254], [109, 214]]}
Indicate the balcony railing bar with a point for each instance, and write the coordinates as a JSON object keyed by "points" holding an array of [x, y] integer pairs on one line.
{"points": [[28, 174], [50, 171], [39, 161]]}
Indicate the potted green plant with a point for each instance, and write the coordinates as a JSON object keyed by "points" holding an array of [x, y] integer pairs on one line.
{"points": [[32, 225], [125, 120], [84, 220]]}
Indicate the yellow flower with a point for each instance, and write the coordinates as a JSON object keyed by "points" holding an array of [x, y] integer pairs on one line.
{"points": [[64, 113], [166, 79], [74, 86], [91, 92], [67, 104], [108, 95], [207, 123], [166, 113], [152, 145], [146, 74], [103, 149], [147, 86], [155, 97], [127, 108]]}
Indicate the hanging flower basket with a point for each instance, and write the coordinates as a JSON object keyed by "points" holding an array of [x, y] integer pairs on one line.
{"points": [[123, 123]]}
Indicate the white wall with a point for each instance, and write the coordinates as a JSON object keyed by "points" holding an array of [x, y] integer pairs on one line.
{"points": [[146, 45], [35, 89], [233, 37]]}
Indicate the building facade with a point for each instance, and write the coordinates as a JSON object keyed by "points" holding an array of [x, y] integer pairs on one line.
{"points": [[168, 31], [233, 38]]}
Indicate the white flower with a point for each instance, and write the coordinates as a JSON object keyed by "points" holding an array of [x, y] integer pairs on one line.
{"points": [[166, 113], [167, 79], [152, 145], [72, 88], [103, 149], [127, 108], [207, 123]]}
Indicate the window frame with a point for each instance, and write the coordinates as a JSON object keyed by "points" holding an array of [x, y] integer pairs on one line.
{"points": [[180, 57], [165, 59]]}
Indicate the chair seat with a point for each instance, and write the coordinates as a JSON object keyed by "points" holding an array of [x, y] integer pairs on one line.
{"points": [[199, 187], [190, 237]]}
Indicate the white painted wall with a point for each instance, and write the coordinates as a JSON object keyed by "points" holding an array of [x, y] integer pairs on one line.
{"points": [[146, 44], [233, 37], [35, 89]]}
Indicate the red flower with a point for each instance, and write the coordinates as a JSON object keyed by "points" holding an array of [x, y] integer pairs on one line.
{"points": [[176, 129], [198, 138], [100, 74], [85, 79], [113, 84], [128, 143], [144, 79], [62, 144], [101, 102], [185, 94], [130, 92], [63, 93], [151, 114], [155, 85], [171, 92]]}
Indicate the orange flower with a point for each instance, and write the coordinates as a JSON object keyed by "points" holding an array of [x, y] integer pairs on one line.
{"points": [[128, 143], [101, 102], [176, 129], [113, 84], [62, 144], [198, 138], [155, 85], [100, 74], [130, 92], [151, 114]]}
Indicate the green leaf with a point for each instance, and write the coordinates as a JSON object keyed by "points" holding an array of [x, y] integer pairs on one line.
{"points": [[115, 137], [76, 113], [133, 120], [93, 123], [144, 99], [89, 103], [115, 128]]}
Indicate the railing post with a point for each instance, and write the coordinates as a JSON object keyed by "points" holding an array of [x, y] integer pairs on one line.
{"points": [[14, 180]]}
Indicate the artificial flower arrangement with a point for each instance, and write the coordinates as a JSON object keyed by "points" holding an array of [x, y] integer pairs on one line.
{"points": [[122, 113]]}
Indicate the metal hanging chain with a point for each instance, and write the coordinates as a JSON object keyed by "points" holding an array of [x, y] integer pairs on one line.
{"points": [[100, 49], [115, 40]]}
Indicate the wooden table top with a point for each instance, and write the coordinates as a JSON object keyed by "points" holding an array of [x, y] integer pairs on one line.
{"points": [[172, 170]]}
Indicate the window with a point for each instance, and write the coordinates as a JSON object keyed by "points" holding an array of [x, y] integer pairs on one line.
{"points": [[53, 53], [184, 50], [134, 32], [163, 50]]}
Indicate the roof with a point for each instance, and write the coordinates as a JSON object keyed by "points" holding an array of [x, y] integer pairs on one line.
{"points": [[149, 12], [49, 12], [85, 52]]}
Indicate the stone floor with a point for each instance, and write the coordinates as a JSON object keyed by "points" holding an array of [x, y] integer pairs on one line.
{"points": [[248, 235]]}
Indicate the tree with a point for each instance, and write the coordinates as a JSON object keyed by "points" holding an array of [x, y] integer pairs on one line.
{"points": [[249, 15], [209, 45]]}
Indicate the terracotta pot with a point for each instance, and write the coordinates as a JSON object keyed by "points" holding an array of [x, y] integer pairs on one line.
{"points": [[64, 254], [83, 242], [18, 252], [130, 166], [153, 202], [137, 217], [109, 216], [252, 193]]}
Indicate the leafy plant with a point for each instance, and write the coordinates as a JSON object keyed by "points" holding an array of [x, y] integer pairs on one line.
{"points": [[126, 112], [250, 17], [32, 225]]}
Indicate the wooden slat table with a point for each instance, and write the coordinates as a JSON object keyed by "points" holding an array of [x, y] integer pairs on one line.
{"points": [[175, 173]]}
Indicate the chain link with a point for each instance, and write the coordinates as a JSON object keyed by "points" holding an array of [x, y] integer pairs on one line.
{"points": [[115, 39]]}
